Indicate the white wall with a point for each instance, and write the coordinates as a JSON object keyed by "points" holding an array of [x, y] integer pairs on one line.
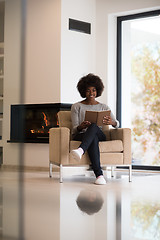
{"points": [[77, 49], [43, 42]]}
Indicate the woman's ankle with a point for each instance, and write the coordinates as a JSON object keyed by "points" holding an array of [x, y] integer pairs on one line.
{"points": [[81, 151]]}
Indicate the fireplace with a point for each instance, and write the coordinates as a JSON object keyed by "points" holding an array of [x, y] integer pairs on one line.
{"points": [[31, 122]]}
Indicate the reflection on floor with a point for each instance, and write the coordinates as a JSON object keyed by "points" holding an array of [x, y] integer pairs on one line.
{"points": [[35, 207]]}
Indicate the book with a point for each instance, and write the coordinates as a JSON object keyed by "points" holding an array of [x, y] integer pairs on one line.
{"points": [[96, 117]]}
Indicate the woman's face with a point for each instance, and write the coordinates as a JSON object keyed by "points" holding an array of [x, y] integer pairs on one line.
{"points": [[91, 93]]}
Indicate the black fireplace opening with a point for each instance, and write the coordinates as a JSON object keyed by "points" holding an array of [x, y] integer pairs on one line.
{"points": [[31, 122]]}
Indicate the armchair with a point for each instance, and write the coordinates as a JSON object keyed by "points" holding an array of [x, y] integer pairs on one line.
{"points": [[116, 151]]}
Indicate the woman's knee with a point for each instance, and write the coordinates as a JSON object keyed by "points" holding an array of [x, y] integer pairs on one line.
{"points": [[93, 126]]}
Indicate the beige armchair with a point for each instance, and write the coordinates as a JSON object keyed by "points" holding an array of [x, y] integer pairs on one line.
{"points": [[116, 151]]}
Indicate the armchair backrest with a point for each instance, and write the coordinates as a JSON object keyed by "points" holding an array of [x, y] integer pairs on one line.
{"points": [[64, 119]]}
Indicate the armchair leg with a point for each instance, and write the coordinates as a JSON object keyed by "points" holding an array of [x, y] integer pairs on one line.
{"points": [[50, 170], [112, 171], [130, 173], [61, 173]]}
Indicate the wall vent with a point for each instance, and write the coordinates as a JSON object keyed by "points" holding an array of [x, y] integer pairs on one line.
{"points": [[79, 26]]}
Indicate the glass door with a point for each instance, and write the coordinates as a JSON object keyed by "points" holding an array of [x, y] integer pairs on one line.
{"points": [[139, 82]]}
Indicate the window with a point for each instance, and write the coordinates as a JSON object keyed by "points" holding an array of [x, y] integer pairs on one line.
{"points": [[138, 84]]}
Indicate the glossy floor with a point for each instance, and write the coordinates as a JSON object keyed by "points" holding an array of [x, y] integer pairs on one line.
{"points": [[35, 207]]}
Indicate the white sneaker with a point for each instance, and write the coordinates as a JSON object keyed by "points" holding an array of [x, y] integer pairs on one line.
{"points": [[76, 154], [100, 180]]}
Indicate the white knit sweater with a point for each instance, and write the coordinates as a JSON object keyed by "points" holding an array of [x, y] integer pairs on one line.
{"points": [[78, 114]]}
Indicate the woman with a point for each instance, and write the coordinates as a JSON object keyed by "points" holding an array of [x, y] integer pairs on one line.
{"points": [[90, 87]]}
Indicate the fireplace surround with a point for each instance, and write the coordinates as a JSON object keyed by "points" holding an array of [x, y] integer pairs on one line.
{"points": [[30, 123]]}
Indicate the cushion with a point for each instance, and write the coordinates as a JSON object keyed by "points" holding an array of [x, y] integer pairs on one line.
{"points": [[105, 147]]}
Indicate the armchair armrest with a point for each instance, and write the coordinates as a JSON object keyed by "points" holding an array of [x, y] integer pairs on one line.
{"points": [[106, 131], [59, 145], [123, 134]]}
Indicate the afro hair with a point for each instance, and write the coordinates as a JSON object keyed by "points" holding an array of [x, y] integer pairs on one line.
{"points": [[90, 80]]}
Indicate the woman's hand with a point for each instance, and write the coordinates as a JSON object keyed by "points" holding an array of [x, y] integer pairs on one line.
{"points": [[107, 120], [83, 125]]}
